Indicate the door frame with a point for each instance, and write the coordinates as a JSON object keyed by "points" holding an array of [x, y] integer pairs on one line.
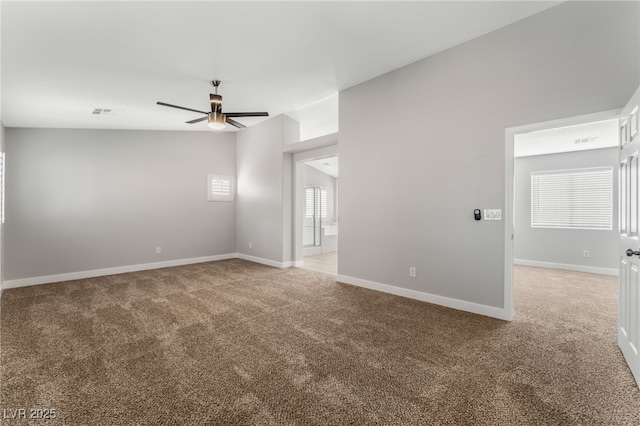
{"points": [[312, 149], [509, 215]]}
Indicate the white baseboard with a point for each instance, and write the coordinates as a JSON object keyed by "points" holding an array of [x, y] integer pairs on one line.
{"points": [[568, 267], [462, 305], [47, 279], [267, 262], [298, 263], [489, 311]]}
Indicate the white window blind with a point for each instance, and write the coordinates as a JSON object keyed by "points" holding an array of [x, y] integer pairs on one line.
{"points": [[578, 199], [219, 187], [315, 201], [309, 202]]}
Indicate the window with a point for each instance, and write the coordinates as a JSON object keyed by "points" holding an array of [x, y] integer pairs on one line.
{"points": [[315, 201], [219, 187], [578, 199], [308, 202]]}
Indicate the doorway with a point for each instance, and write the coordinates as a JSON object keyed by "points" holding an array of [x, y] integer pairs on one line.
{"points": [[315, 149], [319, 215], [566, 198], [521, 180]]}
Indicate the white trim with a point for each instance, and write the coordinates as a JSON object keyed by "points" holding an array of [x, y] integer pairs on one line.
{"points": [[47, 279], [509, 212], [298, 263], [509, 188], [267, 262], [567, 267], [462, 305], [312, 144]]}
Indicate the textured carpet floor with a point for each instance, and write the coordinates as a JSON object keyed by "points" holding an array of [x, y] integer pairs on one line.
{"points": [[234, 342]]}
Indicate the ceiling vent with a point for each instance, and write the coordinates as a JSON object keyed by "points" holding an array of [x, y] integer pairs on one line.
{"points": [[584, 140], [106, 111]]}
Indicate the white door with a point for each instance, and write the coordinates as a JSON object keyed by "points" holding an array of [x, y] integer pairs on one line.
{"points": [[629, 278]]}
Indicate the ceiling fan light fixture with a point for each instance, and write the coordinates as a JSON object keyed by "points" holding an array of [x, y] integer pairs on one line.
{"points": [[216, 121]]}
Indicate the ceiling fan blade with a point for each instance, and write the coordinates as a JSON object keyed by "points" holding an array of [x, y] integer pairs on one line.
{"points": [[179, 107], [235, 123], [197, 120], [246, 114]]}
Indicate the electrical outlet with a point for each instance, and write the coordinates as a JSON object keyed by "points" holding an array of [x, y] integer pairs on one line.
{"points": [[412, 271], [250, 245], [585, 253], [158, 250]]}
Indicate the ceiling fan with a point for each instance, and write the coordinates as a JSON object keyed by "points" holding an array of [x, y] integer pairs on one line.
{"points": [[216, 118]]}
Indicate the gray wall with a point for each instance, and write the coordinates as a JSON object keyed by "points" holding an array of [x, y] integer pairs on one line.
{"points": [[265, 186], [89, 199], [445, 154], [563, 246]]}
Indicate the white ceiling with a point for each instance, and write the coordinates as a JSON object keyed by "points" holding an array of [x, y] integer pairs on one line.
{"points": [[600, 134], [60, 60], [326, 165]]}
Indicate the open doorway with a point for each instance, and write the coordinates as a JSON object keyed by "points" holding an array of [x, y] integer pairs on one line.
{"points": [[561, 197], [565, 194], [319, 215]]}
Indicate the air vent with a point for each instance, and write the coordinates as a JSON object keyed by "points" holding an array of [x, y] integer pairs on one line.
{"points": [[584, 140], [106, 111]]}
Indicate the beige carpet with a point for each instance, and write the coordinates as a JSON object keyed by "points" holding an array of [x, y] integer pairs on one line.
{"points": [[233, 342]]}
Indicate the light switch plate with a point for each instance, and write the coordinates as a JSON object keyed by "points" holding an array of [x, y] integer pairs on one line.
{"points": [[492, 214]]}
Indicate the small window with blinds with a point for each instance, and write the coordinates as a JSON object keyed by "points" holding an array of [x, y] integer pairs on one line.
{"points": [[573, 199], [219, 187], [315, 201], [309, 201]]}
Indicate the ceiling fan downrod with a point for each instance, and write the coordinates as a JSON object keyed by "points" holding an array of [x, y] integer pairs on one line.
{"points": [[215, 99]]}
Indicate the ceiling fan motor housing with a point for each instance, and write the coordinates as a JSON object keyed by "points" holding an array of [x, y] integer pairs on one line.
{"points": [[216, 102]]}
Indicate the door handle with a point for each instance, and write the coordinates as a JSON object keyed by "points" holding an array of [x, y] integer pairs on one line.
{"points": [[632, 252]]}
